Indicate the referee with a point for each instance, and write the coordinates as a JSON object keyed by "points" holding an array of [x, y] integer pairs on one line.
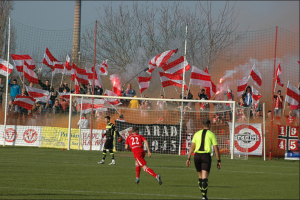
{"points": [[202, 142], [110, 133]]}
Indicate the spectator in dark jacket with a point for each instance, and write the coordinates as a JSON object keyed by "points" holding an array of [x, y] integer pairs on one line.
{"points": [[63, 86], [57, 108], [45, 86]]}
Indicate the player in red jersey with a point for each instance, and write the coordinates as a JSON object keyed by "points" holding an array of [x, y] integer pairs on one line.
{"points": [[135, 141]]}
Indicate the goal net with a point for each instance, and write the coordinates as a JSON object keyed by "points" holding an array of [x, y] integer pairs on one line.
{"points": [[167, 124]]}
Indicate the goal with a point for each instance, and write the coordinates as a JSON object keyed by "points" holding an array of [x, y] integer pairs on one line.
{"points": [[167, 124]]}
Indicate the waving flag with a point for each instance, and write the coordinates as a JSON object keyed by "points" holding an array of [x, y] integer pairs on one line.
{"points": [[292, 94], [103, 68], [3, 67], [242, 84], [29, 74], [176, 67], [278, 73], [64, 95], [24, 101], [87, 105], [255, 96], [160, 60], [38, 94], [199, 77], [212, 90], [255, 76], [68, 67], [144, 83], [90, 74], [115, 102], [171, 80], [82, 76], [77, 87], [52, 62], [20, 59]]}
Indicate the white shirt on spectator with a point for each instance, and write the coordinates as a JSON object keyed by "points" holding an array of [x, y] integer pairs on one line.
{"points": [[83, 123], [161, 105]]}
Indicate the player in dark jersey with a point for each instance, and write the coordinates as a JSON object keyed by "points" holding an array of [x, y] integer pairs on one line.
{"points": [[135, 141], [109, 144], [201, 143]]}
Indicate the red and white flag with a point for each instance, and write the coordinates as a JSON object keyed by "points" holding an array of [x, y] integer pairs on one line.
{"points": [[87, 105], [68, 66], [91, 77], [29, 74], [64, 95], [229, 95], [199, 77], [278, 73], [81, 76], [144, 83], [38, 94], [77, 87], [171, 80], [177, 66], [53, 63], [255, 96], [3, 67], [292, 94], [103, 68], [20, 59], [115, 102], [212, 90], [24, 101], [255, 76], [160, 60], [242, 84]]}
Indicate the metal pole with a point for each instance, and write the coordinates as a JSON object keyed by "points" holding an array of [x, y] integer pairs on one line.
{"points": [[92, 113], [70, 122], [182, 90], [271, 134], [233, 130], [6, 95], [80, 123], [264, 131]]}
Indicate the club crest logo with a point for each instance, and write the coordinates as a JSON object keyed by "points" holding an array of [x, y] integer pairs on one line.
{"points": [[10, 135], [30, 136]]}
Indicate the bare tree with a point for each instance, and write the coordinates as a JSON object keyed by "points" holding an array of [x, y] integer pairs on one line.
{"points": [[6, 7]]}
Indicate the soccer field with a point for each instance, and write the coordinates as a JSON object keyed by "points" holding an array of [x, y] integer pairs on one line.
{"points": [[40, 173]]}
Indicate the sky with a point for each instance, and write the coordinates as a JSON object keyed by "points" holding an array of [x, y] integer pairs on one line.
{"points": [[59, 15]]}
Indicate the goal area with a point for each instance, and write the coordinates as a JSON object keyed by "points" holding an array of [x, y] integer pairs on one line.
{"points": [[167, 124]]}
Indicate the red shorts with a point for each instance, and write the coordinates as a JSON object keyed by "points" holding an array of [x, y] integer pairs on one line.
{"points": [[140, 158]]}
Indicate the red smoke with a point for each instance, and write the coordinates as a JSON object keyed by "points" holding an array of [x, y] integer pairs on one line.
{"points": [[115, 81]]}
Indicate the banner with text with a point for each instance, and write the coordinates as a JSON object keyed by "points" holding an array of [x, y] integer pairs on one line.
{"points": [[162, 138]]}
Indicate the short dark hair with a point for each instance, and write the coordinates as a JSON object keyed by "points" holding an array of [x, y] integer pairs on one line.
{"points": [[206, 122], [278, 91], [269, 111], [15, 80], [121, 116], [107, 117], [46, 80], [203, 90], [135, 129]]}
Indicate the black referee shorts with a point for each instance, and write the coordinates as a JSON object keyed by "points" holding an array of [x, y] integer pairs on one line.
{"points": [[109, 144], [202, 161]]}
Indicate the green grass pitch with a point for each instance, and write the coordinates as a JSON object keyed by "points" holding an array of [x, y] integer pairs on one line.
{"points": [[41, 173]]}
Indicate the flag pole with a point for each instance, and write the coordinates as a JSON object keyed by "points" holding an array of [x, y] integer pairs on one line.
{"points": [[284, 100], [182, 90], [80, 123], [6, 95], [92, 113]]}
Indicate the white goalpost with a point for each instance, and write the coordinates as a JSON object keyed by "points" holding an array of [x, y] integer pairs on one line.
{"points": [[167, 124]]}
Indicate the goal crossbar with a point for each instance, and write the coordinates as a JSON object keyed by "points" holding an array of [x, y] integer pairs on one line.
{"points": [[155, 99]]}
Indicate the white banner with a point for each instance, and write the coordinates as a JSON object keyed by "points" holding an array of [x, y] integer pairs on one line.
{"points": [[247, 139], [21, 135], [97, 140]]}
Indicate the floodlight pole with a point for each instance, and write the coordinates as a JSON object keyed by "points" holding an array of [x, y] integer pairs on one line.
{"points": [[6, 95], [182, 90]]}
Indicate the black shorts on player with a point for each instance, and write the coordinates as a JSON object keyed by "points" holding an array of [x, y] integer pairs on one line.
{"points": [[202, 161], [109, 144]]}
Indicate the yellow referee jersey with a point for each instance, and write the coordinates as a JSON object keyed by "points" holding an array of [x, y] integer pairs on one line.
{"points": [[209, 139]]}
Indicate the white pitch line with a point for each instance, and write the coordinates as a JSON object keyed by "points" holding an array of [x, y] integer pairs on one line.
{"points": [[105, 192]]}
